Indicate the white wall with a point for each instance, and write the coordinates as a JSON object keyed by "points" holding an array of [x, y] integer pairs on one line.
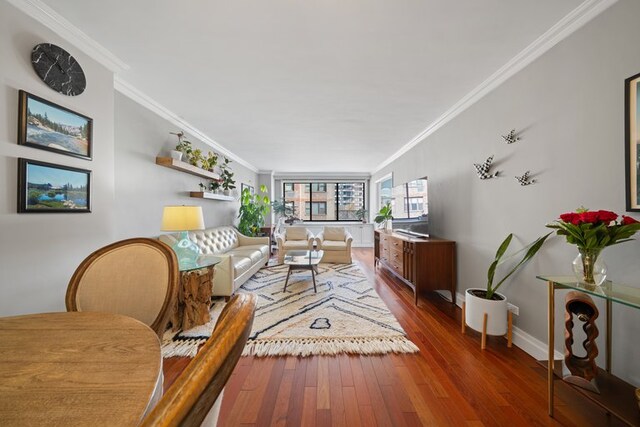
{"points": [[143, 188], [39, 252], [569, 107]]}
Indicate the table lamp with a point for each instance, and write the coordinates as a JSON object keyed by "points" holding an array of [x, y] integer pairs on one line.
{"points": [[183, 219]]}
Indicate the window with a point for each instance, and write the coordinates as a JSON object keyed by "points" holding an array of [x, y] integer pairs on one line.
{"points": [[385, 191], [416, 204], [326, 201]]}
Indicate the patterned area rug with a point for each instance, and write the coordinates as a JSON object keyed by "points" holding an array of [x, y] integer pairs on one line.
{"points": [[345, 316]]}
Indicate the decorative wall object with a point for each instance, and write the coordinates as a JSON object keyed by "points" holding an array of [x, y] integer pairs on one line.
{"points": [[483, 170], [48, 126], [247, 186], [58, 69], [46, 187], [525, 179], [583, 368], [632, 142], [511, 137]]}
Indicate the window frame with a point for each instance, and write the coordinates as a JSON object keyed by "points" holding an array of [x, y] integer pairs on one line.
{"points": [[322, 187]]}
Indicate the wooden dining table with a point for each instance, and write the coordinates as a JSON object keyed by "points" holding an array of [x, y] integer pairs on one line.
{"points": [[77, 368]]}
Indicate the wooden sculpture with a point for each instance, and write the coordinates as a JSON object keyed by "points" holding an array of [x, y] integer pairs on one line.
{"points": [[583, 368]]}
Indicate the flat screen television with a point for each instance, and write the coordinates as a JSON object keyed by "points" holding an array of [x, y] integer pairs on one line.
{"points": [[410, 205]]}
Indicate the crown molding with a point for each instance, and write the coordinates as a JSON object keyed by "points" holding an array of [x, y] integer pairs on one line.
{"points": [[136, 95], [65, 29], [584, 13]]}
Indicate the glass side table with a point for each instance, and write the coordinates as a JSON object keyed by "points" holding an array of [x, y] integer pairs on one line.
{"points": [[194, 293], [617, 396]]}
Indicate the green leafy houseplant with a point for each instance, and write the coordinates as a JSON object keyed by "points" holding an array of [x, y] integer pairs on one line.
{"points": [[228, 183], [531, 250], [384, 215], [283, 209], [361, 214], [253, 209]]}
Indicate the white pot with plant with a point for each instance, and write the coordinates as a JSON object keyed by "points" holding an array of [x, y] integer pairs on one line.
{"points": [[487, 305], [183, 148]]}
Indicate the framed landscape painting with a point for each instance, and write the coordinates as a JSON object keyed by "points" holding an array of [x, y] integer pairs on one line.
{"points": [[48, 126], [632, 142], [45, 187]]}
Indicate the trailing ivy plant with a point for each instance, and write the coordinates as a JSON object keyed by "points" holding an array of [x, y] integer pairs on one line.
{"points": [[253, 210]]}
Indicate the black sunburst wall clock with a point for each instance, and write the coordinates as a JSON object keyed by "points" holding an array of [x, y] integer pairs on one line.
{"points": [[58, 69]]}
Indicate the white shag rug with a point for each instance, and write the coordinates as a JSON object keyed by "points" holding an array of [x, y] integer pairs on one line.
{"points": [[346, 315]]}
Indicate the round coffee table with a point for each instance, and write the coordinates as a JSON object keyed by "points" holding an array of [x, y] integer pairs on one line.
{"points": [[302, 260]]}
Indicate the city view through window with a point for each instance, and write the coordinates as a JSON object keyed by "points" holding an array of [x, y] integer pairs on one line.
{"points": [[325, 201]]}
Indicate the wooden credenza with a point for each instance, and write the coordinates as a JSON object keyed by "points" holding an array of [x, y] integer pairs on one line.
{"points": [[423, 264]]}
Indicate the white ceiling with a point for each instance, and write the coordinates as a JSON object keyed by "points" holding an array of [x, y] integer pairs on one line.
{"points": [[312, 86]]}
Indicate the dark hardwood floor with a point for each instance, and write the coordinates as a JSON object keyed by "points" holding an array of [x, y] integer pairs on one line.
{"points": [[451, 382]]}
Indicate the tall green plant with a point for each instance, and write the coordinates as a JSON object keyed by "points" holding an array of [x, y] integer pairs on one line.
{"points": [[253, 209], [531, 250]]}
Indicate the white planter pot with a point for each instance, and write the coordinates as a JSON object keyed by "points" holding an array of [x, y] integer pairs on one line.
{"points": [[496, 310], [177, 155], [388, 225]]}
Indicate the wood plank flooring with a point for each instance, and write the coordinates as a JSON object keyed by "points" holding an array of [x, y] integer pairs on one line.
{"points": [[451, 382]]}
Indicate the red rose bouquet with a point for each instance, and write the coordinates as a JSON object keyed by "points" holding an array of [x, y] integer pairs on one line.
{"points": [[592, 231]]}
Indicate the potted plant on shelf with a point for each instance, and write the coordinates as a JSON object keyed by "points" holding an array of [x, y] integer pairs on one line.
{"points": [[253, 209], [183, 148], [361, 215], [384, 216], [228, 183], [480, 302], [209, 161]]}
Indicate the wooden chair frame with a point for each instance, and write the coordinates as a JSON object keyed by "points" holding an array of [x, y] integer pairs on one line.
{"points": [[160, 323], [189, 399]]}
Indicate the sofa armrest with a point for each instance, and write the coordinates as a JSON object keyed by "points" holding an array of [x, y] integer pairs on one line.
{"points": [[246, 240], [348, 238], [223, 278]]}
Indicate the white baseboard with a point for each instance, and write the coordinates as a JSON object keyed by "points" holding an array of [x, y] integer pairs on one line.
{"points": [[528, 343]]}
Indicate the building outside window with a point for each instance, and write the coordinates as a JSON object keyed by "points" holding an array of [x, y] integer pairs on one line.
{"points": [[326, 201], [385, 190]]}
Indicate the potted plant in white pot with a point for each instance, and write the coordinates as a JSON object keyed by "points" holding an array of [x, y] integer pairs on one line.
{"points": [[384, 216], [487, 305]]}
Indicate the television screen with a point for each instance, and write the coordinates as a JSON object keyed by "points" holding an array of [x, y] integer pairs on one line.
{"points": [[410, 206]]}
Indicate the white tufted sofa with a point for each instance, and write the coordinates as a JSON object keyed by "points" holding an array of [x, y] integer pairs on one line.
{"points": [[241, 256]]}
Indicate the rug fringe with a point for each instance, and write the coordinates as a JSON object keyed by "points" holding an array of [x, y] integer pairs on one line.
{"points": [[181, 349], [328, 346]]}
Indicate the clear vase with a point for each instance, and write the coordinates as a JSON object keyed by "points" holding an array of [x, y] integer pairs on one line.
{"points": [[588, 268]]}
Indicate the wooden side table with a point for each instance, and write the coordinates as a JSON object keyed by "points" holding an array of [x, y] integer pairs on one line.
{"points": [[194, 294]]}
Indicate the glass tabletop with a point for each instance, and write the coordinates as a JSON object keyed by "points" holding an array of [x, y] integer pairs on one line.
{"points": [[202, 261], [302, 257], [624, 294]]}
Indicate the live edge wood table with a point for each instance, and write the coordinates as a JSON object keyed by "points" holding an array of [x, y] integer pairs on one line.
{"points": [[424, 264], [616, 396], [194, 293], [77, 368]]}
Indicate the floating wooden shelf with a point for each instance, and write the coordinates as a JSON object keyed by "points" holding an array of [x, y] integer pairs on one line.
{"points": [[211, 196], [185, 167]]}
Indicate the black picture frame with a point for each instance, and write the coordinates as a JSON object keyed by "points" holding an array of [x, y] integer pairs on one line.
{"points": [[243, 186], [58, 188], [632, 142], [68, 133]]}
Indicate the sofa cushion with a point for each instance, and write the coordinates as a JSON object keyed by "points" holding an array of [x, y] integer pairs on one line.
{"points": [[215, 240], [334, 245], [264, 249], [296, 233], [241, 264], [255, 255], [334, 233]]}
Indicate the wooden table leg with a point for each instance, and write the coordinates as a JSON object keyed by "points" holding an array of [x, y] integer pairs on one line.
{"points": [[287, 280]]}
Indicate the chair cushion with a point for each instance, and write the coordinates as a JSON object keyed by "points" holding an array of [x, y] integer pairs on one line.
{"points": [[296, 233], [255, 255], [334, 233], [333, 245], [240, 264], [295, 244]]}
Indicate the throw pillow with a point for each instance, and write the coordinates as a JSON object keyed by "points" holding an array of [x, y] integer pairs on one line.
{"points": [[334, 233]]}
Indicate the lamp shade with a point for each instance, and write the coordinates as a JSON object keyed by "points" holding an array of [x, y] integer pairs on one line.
{"points": [[182, 218]]}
